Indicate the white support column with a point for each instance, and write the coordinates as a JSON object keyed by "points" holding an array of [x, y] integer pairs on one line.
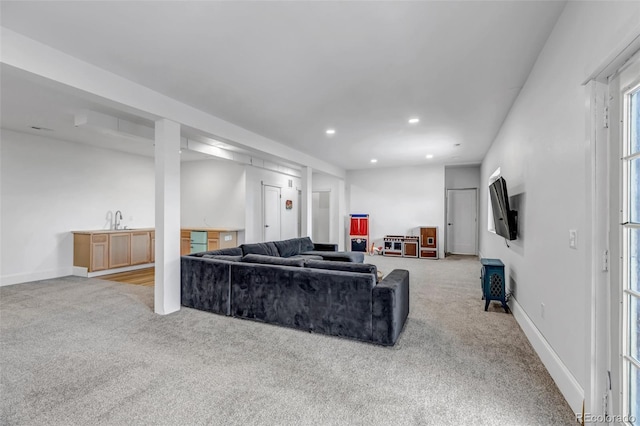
{"points": [[307, 199], [342, 213], [167, 160]]}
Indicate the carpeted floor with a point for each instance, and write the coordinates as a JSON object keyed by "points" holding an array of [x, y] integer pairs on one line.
{"points": [[78, 351]]}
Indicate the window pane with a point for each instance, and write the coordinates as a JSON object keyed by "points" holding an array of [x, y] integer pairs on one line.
{"points": [[634, 122], [634, 327], [634, 263], [634, 190], [634, 396]]}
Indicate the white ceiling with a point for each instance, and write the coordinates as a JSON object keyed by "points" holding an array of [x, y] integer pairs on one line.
{"points": [[290, 70]]}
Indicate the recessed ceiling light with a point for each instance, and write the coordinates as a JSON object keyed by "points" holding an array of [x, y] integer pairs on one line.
{"points": [[331, 131], [373, 160], [429, 155], [414, 120]]}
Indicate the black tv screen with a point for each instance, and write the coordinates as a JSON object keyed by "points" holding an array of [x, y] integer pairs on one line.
{"points": [[503, 217]]}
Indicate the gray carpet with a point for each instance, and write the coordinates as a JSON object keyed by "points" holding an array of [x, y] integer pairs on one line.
{"points": [[88, 351]]}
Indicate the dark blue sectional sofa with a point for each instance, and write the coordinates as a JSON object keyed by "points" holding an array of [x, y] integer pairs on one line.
{"points": [[303, 290]]}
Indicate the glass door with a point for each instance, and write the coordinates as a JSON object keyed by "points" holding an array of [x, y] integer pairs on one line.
{"points": [[628, 98]]}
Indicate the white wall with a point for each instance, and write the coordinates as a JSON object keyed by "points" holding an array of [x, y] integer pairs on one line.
{"points": [[213, 194], [541, 152], [255, 176], [51, 187], [462, 177], [398, 199]]}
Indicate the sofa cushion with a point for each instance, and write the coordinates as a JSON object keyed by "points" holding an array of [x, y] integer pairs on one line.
{"points": [[288, 248], [231, 251], [273, 260], [306, 257], [343, 266], [305, 244], [223, 257], [267, 249]]}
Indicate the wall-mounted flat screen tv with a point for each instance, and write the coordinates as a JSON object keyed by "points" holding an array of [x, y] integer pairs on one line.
{"points": [[505, 219]]}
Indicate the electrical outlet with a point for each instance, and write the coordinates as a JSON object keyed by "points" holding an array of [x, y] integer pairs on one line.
{"points": [[542, 310]]}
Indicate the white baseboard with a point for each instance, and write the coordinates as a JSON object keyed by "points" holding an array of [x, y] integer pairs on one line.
{"points": [[566, 382], [35, 276], [63, 272]]}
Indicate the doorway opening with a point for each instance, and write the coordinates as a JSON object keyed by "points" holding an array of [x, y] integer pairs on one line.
{"points": [[321, 214]]}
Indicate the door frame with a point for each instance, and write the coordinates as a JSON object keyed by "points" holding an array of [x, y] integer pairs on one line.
{"points": [[446, 218]]}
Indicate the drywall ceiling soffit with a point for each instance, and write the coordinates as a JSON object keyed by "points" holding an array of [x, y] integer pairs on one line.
{"points": [[36, 106], [274, 69]]}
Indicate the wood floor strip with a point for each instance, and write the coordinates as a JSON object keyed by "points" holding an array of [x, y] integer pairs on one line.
{"points": [[144, 277]]}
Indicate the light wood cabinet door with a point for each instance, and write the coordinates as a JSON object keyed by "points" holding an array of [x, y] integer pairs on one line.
{"points": [[228, 239], [185, 242], [152, 250], [99, 255], [119, 250], [213, 244], [140, 253], [185, 246]]}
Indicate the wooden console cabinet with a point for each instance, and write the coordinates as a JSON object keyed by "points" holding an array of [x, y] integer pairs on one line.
{"points": [[102, 250]]}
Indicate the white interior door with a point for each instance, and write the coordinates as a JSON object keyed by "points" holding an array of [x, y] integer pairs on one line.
{"points": [[271, 212], [461, 221], [320, 208]]}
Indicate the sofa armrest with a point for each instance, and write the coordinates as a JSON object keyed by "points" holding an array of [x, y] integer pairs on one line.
{"points": [[390, 307], [205, 284], [325, 247]]}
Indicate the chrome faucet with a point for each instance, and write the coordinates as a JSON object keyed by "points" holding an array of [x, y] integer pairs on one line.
{"points": [[117, 224]]}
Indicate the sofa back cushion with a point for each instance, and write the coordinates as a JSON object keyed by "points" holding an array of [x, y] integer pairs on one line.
{"points": [[364, 268], [267, 249], [306, 244], [272, 260], [231, 251], [288, 248]]}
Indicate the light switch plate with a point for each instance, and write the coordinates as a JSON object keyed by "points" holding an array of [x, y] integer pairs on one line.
{"points": [[573, 238]]}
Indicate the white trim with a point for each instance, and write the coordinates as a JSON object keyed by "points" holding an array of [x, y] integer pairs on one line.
{"points": [[618, 57], [82, 272], [566, 382], [35, 276]]}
